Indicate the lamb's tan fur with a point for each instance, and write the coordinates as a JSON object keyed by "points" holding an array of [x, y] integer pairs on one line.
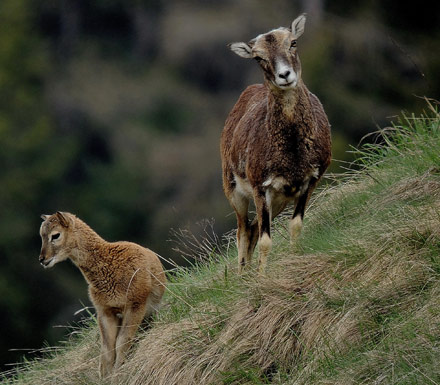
{"points": [[275, 145], [126, 281]]}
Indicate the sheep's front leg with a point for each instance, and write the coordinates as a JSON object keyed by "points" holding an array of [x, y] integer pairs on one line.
{"points": [[131, 320], [108, 325], [264, 242], [295, 224]]}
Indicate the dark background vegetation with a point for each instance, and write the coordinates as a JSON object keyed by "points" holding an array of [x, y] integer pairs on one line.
{"points": [[113, 109]]}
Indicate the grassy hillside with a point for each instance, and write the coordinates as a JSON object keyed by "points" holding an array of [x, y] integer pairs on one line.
{"points": [[355, 301]]}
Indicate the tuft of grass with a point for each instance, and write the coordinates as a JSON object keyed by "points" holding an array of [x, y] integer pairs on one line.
{"points": [[76, 362], [354, 301]]}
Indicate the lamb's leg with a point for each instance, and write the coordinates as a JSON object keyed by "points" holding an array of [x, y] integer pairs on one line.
{"points": [[240, 204], [131, 320], [108, 325], [264, 242]]}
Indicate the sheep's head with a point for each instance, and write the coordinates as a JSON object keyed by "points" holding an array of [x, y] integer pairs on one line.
{"points": [[54, 232], [276, 52]]}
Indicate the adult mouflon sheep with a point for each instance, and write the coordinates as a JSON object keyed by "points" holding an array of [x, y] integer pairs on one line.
{"points": [[126, 281], [276, 142]]}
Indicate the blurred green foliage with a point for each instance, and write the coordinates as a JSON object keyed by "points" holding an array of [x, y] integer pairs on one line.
{"points": [[113, 110]]}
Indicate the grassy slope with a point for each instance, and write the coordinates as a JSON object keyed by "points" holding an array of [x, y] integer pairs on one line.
{"points": [[355, 301]]}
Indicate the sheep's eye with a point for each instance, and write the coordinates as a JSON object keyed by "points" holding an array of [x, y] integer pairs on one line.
{"points": [[259, 59], [293, 44], [55, 236]]}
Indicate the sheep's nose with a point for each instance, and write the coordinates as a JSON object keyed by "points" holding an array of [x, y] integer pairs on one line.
{"points": [[284, 75]]}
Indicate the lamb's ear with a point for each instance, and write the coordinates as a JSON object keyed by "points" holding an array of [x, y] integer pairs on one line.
{"points": [[62, 218], [241, 49], [44, 216], [298, 26]]}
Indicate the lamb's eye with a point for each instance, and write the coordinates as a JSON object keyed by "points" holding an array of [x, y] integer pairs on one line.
{"points": [[293, 44], [55, 236], [259, 59]]}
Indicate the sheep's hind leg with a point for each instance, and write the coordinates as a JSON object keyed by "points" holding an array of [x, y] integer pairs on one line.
{"points": [[264, 242], [253, 236], [240, 203]]}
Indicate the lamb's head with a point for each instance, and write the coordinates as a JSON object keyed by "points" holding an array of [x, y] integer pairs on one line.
{"points": [[276, 53], [57, 243]]}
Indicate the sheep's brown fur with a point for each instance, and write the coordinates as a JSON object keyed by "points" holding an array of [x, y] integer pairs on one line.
{"points": [[276, 143], [126, 281]]}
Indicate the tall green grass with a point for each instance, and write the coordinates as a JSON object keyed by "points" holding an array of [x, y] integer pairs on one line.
{"points": [[354, 301]]}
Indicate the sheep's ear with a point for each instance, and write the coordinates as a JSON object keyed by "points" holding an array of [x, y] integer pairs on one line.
{"points": [[62, 218], [44, 216], [298, 26], [241, 49]]}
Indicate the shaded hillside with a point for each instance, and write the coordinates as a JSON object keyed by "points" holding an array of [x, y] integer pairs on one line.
{"points": [[356, 301], [113, 109]]}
